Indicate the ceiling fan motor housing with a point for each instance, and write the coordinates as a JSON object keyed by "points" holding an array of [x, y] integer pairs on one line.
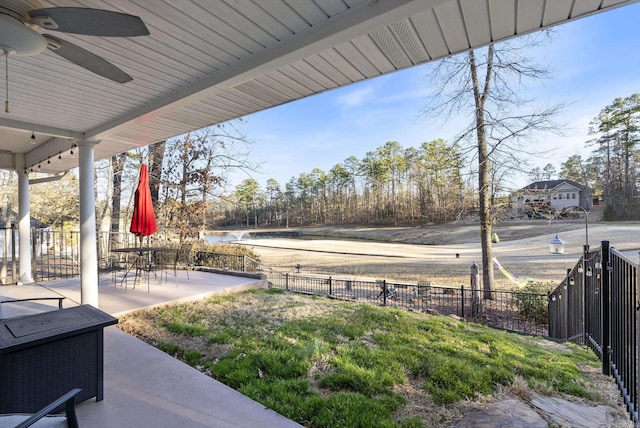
{"points": [[18, 39]]}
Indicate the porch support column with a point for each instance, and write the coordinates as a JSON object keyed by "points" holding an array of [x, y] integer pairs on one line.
{"points": [[88, 241], [24, 223]]}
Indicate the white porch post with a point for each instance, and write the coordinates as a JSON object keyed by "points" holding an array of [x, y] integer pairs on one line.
{"points": [[88, 253], [24, 223]]}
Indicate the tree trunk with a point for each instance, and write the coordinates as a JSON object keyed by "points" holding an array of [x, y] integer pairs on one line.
{"points": [[156, 159], [117, 166], [483, 172]]}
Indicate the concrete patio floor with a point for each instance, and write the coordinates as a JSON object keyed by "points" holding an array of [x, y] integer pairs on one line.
{"points": [[144, 387]]}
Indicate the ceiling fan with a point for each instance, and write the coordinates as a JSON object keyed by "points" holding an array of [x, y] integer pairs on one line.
{"points": [[18, 35]]}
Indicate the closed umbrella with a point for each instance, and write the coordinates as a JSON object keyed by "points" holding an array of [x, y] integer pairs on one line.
{"points": [[143, 222]]}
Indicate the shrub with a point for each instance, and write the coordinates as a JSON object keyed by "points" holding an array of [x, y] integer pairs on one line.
{"points": [[224, 248], [531, 302]]}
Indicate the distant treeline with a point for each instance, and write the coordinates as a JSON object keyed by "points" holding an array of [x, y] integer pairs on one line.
{"points": [[390, 185]]}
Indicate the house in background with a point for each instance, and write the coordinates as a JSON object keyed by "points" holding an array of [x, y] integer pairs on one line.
{"points": [[553, 195]]}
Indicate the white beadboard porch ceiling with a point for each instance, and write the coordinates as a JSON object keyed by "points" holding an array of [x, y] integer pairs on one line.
{"points": [[209, 61]]}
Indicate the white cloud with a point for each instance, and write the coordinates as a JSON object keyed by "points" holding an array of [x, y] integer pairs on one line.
{"points": [[356, 97]]}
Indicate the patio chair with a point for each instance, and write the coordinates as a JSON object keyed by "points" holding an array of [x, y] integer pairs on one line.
{"points": [[183, 257], [164, 260], [46, 417]]}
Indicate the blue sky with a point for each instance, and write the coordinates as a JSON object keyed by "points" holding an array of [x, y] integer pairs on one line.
{"points": [[594, 60]]}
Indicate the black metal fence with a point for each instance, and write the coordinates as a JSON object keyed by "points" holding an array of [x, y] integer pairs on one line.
{"points": [[55, 254], [519, 311], [568, 303], [510, 310], [8, 249], [597, 304], [620, 338]]}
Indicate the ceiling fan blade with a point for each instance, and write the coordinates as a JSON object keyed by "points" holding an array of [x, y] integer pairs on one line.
{"points": [[86, 59], [90, 22]]}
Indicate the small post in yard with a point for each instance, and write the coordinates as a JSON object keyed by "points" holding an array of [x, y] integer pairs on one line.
{"points": [[476, 302]]}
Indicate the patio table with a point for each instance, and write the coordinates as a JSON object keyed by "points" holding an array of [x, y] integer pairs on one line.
{"points": [[142, 260]]}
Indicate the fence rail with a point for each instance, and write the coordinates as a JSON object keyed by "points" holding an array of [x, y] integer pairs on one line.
{"points": [[509, 310], [568, 303], [597, 304], [55, 254]]}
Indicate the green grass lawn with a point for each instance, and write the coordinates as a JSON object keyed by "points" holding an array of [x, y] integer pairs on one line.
{"points": [[326, 363]]}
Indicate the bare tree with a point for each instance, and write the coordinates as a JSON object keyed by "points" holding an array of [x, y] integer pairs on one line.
{"points": [[194, 167], [488, 85]]}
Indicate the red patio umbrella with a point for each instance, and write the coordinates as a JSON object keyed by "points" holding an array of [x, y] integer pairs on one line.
{"points": [[143, 222]]}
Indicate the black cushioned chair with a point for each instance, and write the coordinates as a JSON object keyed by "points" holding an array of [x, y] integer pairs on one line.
{"points": [[45, 417]]}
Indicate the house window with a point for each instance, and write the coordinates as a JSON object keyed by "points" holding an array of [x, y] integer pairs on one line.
{"points": [[560, 196], [567, 196], [555, 196], [573, 196]]}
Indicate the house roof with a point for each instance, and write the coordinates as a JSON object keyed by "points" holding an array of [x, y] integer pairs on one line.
{"points": [[209, 61], [552, 184]]}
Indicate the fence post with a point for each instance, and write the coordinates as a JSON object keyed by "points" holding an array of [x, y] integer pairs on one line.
{"points": [[552, 329], [384, 292], [384, 288], [476, 308], [13, 254], [566, 305], [3, 271], [35, 238], [606, 321], [286, 281], [462, 298], [585, 256], [330, 282], [244, 263]]}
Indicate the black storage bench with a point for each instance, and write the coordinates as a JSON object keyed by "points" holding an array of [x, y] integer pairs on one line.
{"points": [[43, 356]]}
